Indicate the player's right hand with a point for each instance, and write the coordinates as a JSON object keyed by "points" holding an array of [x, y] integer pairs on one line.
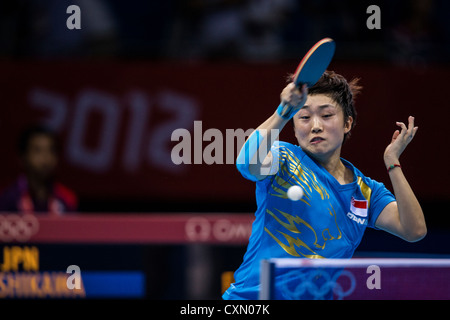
{"points": [[292, 100], [291, 95]]}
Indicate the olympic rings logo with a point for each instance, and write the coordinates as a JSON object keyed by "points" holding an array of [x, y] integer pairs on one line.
{"points": [[14, 227], [318, 285]]}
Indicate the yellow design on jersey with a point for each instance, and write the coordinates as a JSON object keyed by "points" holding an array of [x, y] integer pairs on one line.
{"points": [[295, 173]]}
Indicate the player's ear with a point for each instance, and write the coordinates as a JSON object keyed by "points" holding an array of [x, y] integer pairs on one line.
{"points": [[348, 124]]}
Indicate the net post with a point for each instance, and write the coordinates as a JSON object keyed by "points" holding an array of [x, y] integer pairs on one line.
{"points": [[267, 282]]}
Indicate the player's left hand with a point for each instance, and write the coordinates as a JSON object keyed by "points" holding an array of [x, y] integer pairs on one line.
{"points": [[400, 139]]}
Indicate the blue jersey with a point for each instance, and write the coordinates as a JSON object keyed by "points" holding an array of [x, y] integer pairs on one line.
{"points": [[327, 222]]}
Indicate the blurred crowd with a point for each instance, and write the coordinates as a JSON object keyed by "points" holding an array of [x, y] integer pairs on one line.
{"points": [[412, 31]]}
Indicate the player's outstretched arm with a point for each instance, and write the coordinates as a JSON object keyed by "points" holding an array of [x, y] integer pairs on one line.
{"points": [[404, 217], [255, 159]]}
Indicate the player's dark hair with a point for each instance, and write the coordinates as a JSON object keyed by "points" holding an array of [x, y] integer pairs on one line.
{"points": [[337, 88], [28, 133]]}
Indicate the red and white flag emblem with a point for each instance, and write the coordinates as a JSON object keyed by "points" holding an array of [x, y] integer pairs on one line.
{"points": [[359, 207]]}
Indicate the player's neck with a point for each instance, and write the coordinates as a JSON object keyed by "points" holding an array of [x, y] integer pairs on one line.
{"points": [[337, 169]]}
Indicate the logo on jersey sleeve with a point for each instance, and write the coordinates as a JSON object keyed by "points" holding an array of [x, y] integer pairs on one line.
{"points": [[358, 211]]}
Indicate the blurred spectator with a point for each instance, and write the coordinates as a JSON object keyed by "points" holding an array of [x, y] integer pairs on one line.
{"points": [[210, 29], [415, 40], [265, 22], [221, 28], [230, 29], [37, 28], [36, 190]]}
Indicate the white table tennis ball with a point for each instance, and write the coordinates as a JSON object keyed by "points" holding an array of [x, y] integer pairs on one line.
{"points": [[295, 193]]}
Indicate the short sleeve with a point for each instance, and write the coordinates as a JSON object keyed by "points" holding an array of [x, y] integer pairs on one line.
{"points": [[379, 199]]}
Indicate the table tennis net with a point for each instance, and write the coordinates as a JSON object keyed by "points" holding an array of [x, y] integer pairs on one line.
{"points": [[355, 279]]}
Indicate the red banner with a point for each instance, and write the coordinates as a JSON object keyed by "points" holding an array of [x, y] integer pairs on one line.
{"points": [[116, 122], [177, 228]]}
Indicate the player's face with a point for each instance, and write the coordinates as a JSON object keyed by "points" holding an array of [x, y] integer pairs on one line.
{"points": [[319, 127], [41, 158]]}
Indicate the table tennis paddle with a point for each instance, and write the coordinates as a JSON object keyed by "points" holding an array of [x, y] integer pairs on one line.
{"points": [[314, 63]]}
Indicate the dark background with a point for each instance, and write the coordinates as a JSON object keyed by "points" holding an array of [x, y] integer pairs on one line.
{"points": [[147, 68]]}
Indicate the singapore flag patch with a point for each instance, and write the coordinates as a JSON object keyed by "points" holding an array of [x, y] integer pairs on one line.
{"points": [[359, 207]]}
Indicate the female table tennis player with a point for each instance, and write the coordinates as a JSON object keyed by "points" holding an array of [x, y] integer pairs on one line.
{"points": [[339, 201]]}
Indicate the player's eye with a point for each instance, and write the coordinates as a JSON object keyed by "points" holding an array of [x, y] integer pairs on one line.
{"points": [[304, 117], [327, 115]]}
